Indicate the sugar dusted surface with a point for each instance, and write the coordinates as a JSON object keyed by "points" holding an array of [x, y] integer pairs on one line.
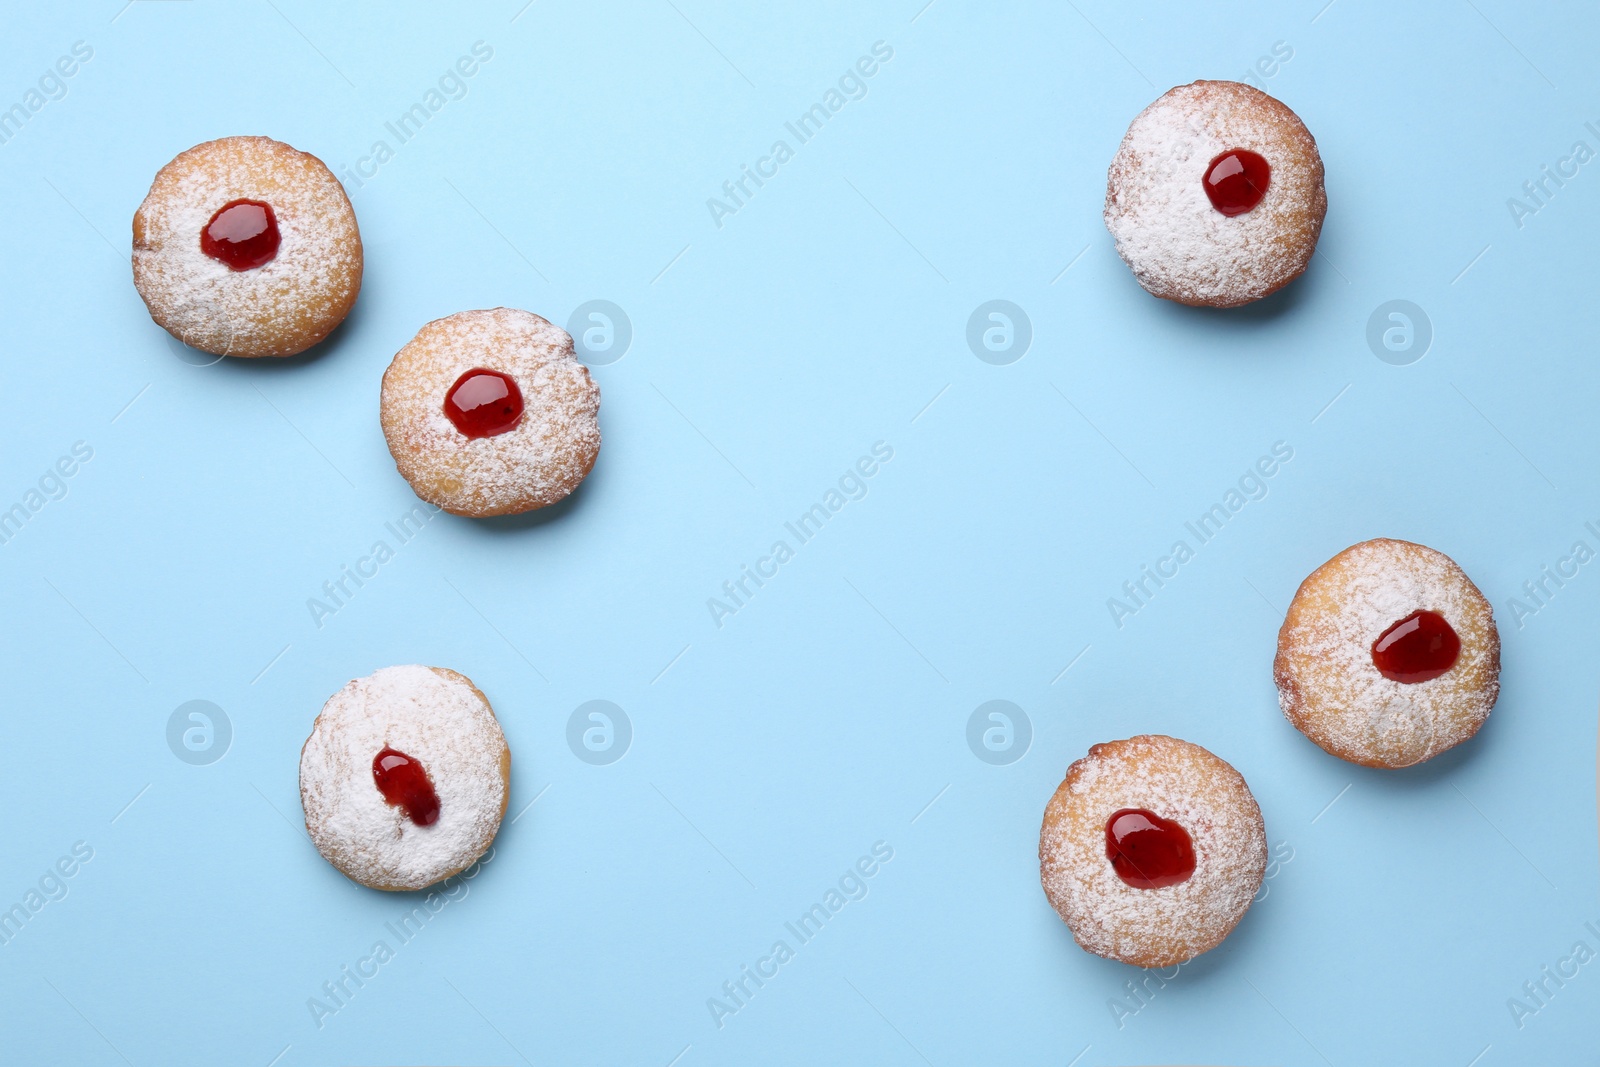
{"points": [[1176, 780], [1177, 244], [536, 464], [1328, 685], [278, 309], [434, 716]]}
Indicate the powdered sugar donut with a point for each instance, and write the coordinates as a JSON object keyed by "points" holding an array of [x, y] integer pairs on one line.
{"points": [[1152, 850], [246, 247], [1389, 655], [405, 777], [1215, 197], [490, 413]]}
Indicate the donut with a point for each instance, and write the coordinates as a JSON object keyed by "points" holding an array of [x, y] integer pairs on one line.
{"points": [[405, 777], [1215, 196], [490, 413], [1388, 655], [1152, 850], [247, 247]]}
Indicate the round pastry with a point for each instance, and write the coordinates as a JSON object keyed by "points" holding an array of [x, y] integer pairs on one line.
{"points": [[1215, 197], [247, 247], [405, 777], [1389, 655], [1151, 851], [490, 413]]}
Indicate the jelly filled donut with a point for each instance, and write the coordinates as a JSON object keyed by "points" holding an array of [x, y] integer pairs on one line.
{"points": [[1152, 850], [490, 413], [1388, 656], [246, 247], [405, 777], [1215, 197]]}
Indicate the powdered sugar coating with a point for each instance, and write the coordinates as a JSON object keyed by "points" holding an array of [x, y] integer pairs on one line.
{"points": [[537, 463], [278, 309], [1179, 246], [1176, 780], [440, 719], [1329, 687]]}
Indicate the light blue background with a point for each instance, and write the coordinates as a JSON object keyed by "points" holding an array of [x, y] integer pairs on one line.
{"points": [[768, 355]]}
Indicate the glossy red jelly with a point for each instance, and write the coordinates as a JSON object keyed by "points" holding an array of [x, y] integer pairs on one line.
{"points": [[1237, 180], [1418, 647], [242, 235], [1147, 851], [405, 784], [484, 403]]}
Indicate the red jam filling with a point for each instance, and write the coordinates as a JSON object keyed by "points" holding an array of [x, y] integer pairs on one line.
{"points": [[1418, 647], [242, 235], [1147, 851], [484, 403], [1236, 181], [404, 784]]}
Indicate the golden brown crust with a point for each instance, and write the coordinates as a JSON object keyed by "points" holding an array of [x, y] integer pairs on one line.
{"points": [[1329, 688], [1178, 246], [1176, 780], [539, 462], [279, 309]]}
